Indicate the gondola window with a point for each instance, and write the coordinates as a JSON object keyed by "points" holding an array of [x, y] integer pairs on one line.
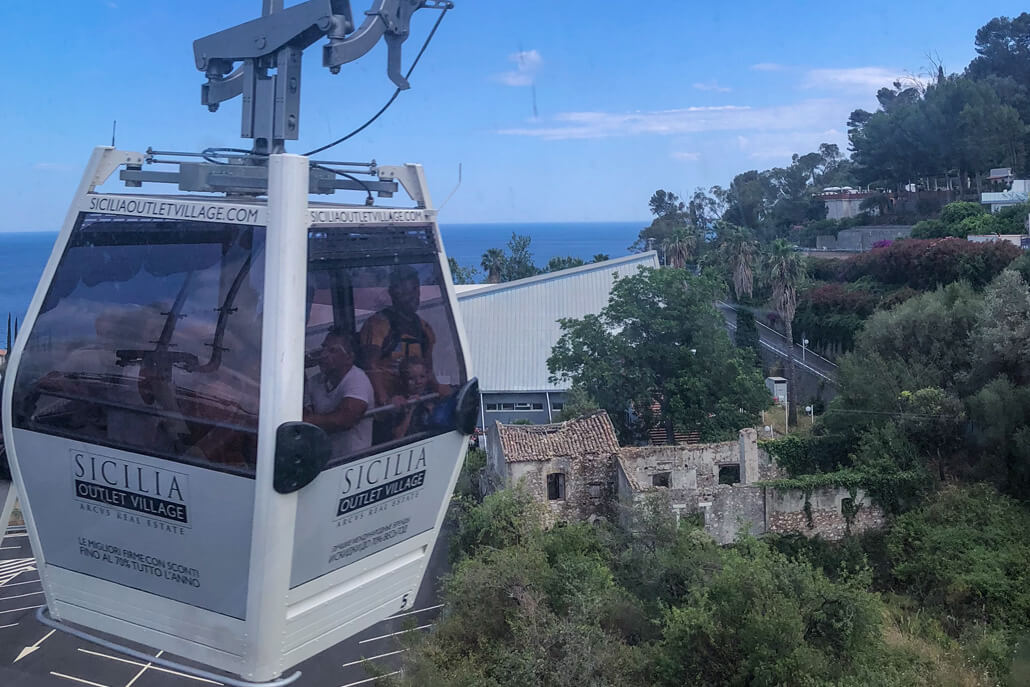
{"points": [[148, 340], [382, 359]]}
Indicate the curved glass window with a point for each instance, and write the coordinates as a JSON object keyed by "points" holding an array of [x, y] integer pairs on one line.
{"points": [[149, 340], [382, 359]]}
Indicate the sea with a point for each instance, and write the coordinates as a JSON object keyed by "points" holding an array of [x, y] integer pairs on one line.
{"points": [[24, 254]]}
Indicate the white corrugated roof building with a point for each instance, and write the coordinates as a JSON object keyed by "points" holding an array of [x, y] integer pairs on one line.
{"points": [[513, 326]]}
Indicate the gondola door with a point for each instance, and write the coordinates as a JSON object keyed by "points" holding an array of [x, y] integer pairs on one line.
{"points": [[384, 372]]}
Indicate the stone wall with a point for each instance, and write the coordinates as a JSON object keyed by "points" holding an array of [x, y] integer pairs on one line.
{"points": [[862, 238], [786, 513], [589, 486], [733, 508], [694, 469]]}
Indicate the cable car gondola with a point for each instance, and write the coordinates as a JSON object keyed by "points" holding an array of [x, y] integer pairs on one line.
{"points": [[235, 417]]}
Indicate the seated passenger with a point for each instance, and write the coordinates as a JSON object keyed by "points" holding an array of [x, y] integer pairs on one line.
{"points": [[337, 397], [431, 412], [395, 333]]}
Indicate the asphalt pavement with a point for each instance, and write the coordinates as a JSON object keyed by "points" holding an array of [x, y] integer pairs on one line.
{"points": [[33, 655], [806, 361]]}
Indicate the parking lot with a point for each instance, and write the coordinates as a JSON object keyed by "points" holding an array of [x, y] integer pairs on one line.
{"points": [[32, 654]]}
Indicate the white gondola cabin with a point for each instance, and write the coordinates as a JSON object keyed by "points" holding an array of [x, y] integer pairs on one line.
{"points": [[235, 423]]}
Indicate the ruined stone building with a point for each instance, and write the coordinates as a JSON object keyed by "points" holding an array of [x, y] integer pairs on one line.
{"points": [[578, 471], [569, 466]]}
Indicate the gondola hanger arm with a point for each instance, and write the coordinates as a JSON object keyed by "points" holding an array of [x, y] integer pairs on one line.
{"points": [[277, 40]]}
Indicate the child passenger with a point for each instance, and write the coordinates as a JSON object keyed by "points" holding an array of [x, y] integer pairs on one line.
{"points": [[424, 410]]}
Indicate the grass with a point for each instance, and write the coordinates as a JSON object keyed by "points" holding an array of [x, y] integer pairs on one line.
{"points": [[774, 417]]}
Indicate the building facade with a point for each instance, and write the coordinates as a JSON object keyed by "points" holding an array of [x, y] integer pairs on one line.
{"points": [[513, 326], [578, 472]]}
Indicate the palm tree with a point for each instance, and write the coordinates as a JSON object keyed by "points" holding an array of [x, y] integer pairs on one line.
{"points": [[740, 253], [493, 265], [679, 249], [786, 272]]}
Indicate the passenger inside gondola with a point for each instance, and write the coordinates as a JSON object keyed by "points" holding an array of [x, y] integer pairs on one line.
{"points": [[424, 409], [338, 395], [395, 333]]}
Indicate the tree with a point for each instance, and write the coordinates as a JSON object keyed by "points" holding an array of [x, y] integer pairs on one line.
{"points": [[704, 210], [600, 257], [748, 199], [665, 204], [562, 263], [679, 249], [739, 253], [518, 264], [746, 336], [786, 274], [761, 618], [1003, 49], [1001, 343], [670, 220], [577, 404], [461, 275], [660, 340], [493, 265], [966, 554]]}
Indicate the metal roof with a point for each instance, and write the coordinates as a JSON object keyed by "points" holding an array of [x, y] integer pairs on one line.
{"points": [[512, 327]]}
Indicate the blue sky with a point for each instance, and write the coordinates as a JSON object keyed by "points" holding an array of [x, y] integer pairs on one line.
{"points": [[557, 110]]}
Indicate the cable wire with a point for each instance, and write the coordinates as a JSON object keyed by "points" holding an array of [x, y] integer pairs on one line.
{"points": [[393, 97], [368, 201]]}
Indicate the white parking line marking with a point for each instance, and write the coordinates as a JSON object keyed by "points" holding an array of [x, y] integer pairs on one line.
{"points": [[27, 608], [372, 658], [10, 548], [11, 625], [421, 610], [138, 664], [15, 584], [371, 679], [77, 679], [11, 569], [394, 634], [143, 670], [14, 563], [4, 598], [17, 534]]}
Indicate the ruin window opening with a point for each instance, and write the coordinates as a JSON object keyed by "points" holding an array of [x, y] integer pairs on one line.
{"points": [[661, 479], [729, 474], [596, 490], [556, 486]]}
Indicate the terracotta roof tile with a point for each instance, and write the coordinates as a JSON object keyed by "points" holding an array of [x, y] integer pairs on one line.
{"points": [[592, 434]]}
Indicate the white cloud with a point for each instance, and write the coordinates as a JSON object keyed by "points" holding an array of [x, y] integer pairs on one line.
{"points": [[527, 64], [712, 86], [767, 67], [814, 114], [855, 78], [782, 145], [685, 156]]}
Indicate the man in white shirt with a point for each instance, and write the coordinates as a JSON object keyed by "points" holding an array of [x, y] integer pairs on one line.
{"points": [[337, 397]]}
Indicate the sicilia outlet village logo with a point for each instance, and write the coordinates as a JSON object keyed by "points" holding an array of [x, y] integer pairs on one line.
{"points": [[129, 486]]}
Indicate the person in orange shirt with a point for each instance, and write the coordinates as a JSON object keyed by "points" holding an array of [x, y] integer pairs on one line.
{"points": [[395, 333]]}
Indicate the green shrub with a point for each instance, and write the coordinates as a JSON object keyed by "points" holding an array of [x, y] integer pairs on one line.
{"points": [[966, 554]]}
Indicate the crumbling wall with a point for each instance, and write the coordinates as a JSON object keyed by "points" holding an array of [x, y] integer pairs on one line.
{"points": [[831, 512], [733, 508], [589, 486], [694, 469]]}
